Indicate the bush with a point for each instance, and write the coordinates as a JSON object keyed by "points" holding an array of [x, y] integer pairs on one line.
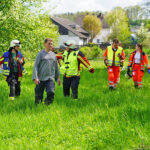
{"points": [[91, 52]]}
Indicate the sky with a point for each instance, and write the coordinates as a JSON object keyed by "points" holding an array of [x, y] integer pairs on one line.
{"points": [[63, 6]]}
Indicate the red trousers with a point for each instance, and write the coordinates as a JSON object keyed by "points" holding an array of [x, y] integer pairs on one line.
{"points": [[137, 74], [113, 76]]}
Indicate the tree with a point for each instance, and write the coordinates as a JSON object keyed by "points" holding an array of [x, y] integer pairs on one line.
{"points": [[18, 21], [143, 36], [146, 8], [93, 25], [134, 12], [118, 21]]}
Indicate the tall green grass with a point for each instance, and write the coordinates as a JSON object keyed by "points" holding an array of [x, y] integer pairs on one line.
{"points": [[99, 120]]}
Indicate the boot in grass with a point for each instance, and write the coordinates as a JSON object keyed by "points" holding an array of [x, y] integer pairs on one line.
{"points": [[111, 88], [11, 98], [50, 98], [136, 86]]}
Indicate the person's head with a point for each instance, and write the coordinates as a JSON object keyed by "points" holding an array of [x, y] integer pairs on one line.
{"points": [[115, 43], [70, 45], [139, 47], [48, 44], [15, 44]]}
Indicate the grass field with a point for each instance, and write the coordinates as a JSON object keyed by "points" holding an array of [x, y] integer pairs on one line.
{"points": [[99, 120]]}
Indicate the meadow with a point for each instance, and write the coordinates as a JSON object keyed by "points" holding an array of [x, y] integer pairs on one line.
{"points": [[99, 120]]}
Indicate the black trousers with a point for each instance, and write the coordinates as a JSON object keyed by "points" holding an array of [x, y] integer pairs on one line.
{"points": [[72, 83], [14, 84], [39, 91]]}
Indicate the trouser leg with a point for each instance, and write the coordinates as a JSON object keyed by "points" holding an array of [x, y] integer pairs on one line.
{"points": [[17, 88], [12, 91], [135, 75], [11, 83], [66, 86], [111, 77], [39, 90], [140, 76], [50, 90], [116, 75], [74, 86]]}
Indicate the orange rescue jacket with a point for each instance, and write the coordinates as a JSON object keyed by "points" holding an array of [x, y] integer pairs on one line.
{"points": [[143, 61]]}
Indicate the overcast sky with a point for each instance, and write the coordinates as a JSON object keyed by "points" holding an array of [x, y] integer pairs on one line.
{"points": [[63, 6]]}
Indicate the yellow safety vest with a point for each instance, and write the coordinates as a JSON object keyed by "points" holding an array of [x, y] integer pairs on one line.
{"points": [[110, 54], [69, 65]]}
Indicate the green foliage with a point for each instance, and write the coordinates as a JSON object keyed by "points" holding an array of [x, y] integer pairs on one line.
{"points": [[143, 36], [119, 23], [148, 27], [135, 12], [19, 22], [93, 25], [91, 52]]}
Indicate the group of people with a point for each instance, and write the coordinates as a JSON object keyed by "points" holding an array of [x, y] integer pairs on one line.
{"points": [[114, 57], [46, 69]]}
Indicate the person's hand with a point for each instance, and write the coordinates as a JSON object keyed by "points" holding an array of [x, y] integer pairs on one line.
{"points": [[20, 61], [37, 81], [59, 81], [92, 70], [148, 70], [105, 62], [119, 55]]}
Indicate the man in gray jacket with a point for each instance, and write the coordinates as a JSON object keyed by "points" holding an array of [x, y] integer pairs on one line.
{"points": [[45, 72]]}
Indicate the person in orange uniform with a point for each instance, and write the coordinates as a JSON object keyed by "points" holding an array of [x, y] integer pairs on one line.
{"points": [[137, 61], [113, 58]]}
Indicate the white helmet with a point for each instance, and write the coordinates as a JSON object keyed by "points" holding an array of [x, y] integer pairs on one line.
{"points": [[71, 44], [14, 43]]}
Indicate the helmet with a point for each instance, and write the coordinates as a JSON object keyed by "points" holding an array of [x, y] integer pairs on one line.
{"points": [[71, 44], [14, 43]]}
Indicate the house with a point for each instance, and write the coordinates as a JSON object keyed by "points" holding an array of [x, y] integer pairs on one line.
{"points": [[70, 31], [105, 32]]}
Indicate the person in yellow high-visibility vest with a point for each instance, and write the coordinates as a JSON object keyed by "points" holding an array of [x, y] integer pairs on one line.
{"points": [[70, 68], [113, 57]]}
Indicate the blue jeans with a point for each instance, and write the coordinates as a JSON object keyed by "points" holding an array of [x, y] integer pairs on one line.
{"points": [[49, 85]]}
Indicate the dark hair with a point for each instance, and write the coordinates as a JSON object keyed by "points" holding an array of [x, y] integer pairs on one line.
{"points": [[140, 46], [47, 39], [116, 41]]}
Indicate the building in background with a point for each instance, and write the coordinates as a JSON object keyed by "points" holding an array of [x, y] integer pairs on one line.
{"points": [[69, 30]]}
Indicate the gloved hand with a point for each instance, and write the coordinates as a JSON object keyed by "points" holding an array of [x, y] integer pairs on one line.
{"points": [[128, 69], [149, 70], [105, 62], [92, 70]]}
